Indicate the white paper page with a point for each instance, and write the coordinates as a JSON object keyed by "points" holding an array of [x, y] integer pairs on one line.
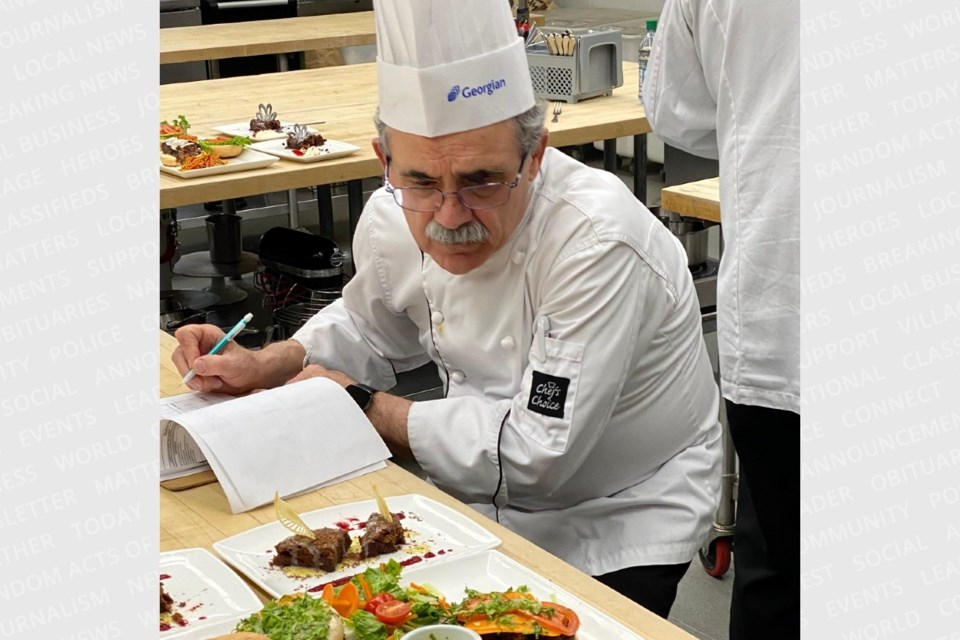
{"points": [[289, 439], [179, 454], [370, 468]]}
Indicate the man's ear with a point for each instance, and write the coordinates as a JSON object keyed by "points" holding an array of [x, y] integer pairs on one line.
{"points": [[536, 157], [375, 143]]}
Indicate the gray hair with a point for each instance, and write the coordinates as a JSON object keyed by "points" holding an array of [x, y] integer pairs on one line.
{"points": [[528, 128]]}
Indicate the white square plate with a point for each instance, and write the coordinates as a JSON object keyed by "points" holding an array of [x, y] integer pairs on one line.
{"points": [[434, 533], [493, 571], [330, 149], [243, 129], [248, 159], [210, 596]]}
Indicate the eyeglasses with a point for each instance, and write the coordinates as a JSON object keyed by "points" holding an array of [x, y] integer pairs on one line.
{"points": [[477, 197]]}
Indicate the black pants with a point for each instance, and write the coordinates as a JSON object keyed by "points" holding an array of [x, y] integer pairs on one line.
{"points": [[766, 546], [653, 587]]}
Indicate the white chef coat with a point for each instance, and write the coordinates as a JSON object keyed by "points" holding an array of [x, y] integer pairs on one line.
{"points": [[723, 82], [597, 438]]}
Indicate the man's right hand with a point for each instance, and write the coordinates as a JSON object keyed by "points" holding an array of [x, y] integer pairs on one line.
{"points": [[232, 371]]}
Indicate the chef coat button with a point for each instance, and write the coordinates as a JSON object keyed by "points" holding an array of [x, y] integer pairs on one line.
{"points": [[437, 317], [518, 257], [457, 376], [507, 343]]}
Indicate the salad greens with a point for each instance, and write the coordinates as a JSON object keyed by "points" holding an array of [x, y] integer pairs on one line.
{"points": [[238, 141], [426, 606], [291, 618]]}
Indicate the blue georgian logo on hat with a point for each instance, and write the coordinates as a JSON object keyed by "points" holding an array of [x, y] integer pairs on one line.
{"points": [[487, 89]]}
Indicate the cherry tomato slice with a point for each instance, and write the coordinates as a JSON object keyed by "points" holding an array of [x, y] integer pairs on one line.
{"points": [[556, 617], [378, 600], [393, 612]]}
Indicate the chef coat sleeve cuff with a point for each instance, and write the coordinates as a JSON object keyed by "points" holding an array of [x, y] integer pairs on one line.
{"points": [[463, 461]]}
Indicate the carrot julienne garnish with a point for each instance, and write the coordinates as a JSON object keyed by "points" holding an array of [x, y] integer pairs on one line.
{"points": [[202, 161]]}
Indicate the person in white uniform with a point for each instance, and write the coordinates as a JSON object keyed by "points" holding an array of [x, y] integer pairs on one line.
{"points": [[723, 82], [579, 406]]}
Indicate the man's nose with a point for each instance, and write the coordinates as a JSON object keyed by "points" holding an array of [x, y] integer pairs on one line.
{"points": [[452, 212]]}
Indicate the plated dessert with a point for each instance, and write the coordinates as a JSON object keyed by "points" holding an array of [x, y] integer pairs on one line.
{"points": [[304, 142], [265, 120]]}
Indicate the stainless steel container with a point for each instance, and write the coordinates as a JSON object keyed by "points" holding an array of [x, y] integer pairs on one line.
{"points": [[692, 234]]}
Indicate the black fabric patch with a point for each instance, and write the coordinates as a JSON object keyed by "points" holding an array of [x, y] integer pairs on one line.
{"points": [[548, 394]]}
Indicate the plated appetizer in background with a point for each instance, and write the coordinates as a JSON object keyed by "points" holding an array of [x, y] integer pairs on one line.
{"points": [[178, 127], [224, 146], [189, 156], [174, 151]]}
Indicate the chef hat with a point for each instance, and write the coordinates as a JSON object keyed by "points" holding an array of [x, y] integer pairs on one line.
{"points": [[445, 66]]}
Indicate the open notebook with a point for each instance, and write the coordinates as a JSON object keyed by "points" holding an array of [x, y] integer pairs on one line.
{"points": [[291, 439]]}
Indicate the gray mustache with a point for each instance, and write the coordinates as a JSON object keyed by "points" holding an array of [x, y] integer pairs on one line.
{"points": [[470, 233]]}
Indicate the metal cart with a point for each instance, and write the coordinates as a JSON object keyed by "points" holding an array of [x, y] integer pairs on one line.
{"points": [[716, 552]]}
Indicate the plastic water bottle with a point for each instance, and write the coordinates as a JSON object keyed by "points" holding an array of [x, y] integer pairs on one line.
{"points": [[646, 44]]}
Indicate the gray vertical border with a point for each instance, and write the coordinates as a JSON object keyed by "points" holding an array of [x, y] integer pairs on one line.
{"points": [[881, 327], [78, 326]]}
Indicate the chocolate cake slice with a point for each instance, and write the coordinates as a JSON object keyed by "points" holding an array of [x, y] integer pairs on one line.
{"points": [[325, 552], [381, 536], [265, 120], [300, 138]]}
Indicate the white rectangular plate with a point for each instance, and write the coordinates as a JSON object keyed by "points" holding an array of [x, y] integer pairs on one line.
{"points": [[243, 129], [331, 149], [206, 592], [247, 160], [434, 532], [493, 571]]}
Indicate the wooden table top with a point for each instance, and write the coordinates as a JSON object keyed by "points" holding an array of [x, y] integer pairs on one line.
{"points": [[201, 516], [343, 98], [700, 199], [260, 37]]}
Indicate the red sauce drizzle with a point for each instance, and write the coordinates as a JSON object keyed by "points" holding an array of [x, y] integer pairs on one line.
{"points": [[411, 560], [164, 576]]}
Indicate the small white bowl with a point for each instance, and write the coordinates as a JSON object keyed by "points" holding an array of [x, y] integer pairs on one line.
{"points": [[442, 632]]}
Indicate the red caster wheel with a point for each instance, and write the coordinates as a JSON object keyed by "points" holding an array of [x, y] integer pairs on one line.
{"points": [[715, 557]]}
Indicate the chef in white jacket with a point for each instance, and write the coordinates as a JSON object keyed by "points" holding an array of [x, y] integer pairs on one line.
{"points": [[723, 82], [579, 405]]}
